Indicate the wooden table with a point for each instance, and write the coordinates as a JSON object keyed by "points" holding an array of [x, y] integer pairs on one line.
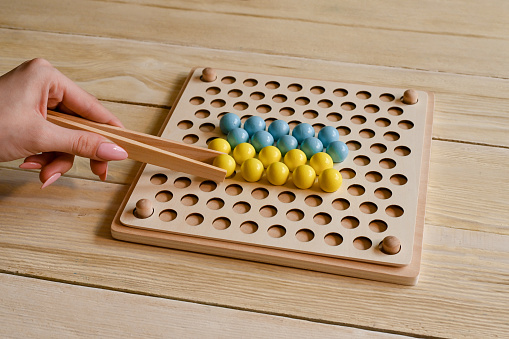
{"points": [[62, 273]]}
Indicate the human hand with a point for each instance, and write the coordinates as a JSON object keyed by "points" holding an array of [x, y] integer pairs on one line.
{"points": [[26, 93]]}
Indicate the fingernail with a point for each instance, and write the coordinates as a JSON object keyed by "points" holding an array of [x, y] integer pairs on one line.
{"points": [[30, 165], [104, 175], [109, 151], [51, 180]]}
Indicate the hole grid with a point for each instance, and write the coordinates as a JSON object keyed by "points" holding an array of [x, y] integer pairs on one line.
{"points": [[381, 104]]}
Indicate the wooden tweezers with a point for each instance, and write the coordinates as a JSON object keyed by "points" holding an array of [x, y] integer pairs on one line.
{"points": [[147, 148]]}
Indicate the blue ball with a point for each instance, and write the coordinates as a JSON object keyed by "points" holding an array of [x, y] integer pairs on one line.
{"points": [[228, 122], [261, 139], [237, 136], [303, 131], [254, 124], [279, 128], [286, 143], [327, 135], [311, 146], [338, 151]]}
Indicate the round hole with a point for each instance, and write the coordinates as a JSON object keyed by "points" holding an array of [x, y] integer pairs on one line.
{"points": [[257, 96], [371, 108], [287, 111], [263, 109], [356, 190], [295, 88], [373, 176], [395, 111], [158, 179], [358, 119], [368, 207], [249, 227], [347, 173], [343, 130], [185, 124], [350, 222], [218, 103], [250, 82], [362, 243], [207, 127], [304, 235], [322, 218], [286, 197], [208, 186], [279, 98], [272, 85], [387, 163], [240, 106], [190, 139], [197, 101], [378, 148], [353, 145], [202, 114], [310, 114], [228, 80], [348, 106], [367, 133], [378, 226], [333, 239], [233, 190], [213, 90], [361, 160], [340, 92], [318, 127], [215, 203], [399, 179], [391, 136], [334, 117], [406, 124], [276, 231], [302, 101], [386, 97], [194, 219], [394, 211], [241, 207], [383, 193], [363, 95], [260, 193], [341, 204], [167, 215], [313, 200], [402, 151], [189, 200], [382, 122], [182, 182], [325, 103], [164, 196], [235, 93], [317, 90], [268, 211], [295, 215], [221, 223]]}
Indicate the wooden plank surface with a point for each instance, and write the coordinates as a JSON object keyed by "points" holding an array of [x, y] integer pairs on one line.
{"points": [[57, 310]]}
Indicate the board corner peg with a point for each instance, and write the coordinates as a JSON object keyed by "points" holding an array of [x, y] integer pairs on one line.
{"points": [[208, 74]]}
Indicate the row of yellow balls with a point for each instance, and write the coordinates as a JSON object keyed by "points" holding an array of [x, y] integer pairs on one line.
{"points": [[251, 168]]}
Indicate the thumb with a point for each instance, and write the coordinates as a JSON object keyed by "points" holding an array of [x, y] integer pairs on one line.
{"points": [[80, 143]]}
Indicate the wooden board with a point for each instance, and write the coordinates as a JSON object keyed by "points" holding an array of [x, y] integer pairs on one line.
{"points": [[389, 142]]}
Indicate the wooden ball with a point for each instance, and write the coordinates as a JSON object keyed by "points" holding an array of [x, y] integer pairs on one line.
{"points": [[391, 245], [410, 97], [208, 74], [143, 209]]}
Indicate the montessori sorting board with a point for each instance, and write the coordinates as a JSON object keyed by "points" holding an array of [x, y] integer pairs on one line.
{"points": [[388, 133]]}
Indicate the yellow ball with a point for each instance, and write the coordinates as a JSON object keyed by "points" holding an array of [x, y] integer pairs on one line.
{"points": [[226, 162], [277, 173], [304, 176], [294, 158], [243, 151], [330, 180], [251, 170], [321, 161], [221, 145], [269, 155]]}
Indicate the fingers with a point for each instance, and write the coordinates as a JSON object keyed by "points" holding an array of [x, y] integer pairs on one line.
{"points": [[99, 168]]}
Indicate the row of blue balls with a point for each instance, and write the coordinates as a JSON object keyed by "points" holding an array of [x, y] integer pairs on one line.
{"points": [[279, 131]]}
